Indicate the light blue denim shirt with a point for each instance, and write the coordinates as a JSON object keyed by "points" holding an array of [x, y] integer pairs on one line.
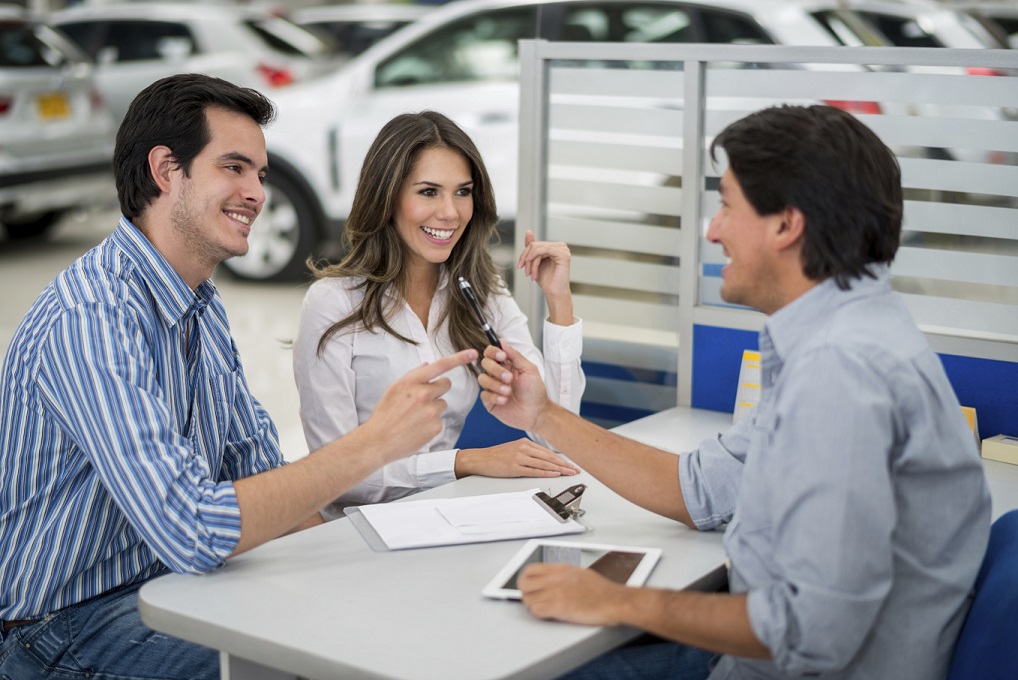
{"points": [[857, 506]]}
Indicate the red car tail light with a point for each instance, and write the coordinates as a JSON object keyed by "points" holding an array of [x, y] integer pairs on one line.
{"points": [[276, 77], [983, 71], [854, 106], [6, 103]]}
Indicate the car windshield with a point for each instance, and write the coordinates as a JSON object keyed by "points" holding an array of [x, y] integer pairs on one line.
{"points": [[286, 37], [27, 45]]}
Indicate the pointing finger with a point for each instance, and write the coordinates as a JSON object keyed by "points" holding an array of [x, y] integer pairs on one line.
{"points": [[429, 372]]}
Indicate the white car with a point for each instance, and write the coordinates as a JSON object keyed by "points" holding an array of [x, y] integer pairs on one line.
{"points": [[135, 44], [924, 24], [354, 28], [999, 19], [460, 59], [56, 140]]}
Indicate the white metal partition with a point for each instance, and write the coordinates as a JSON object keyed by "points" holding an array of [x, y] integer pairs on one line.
{"points": [[606, 165]]}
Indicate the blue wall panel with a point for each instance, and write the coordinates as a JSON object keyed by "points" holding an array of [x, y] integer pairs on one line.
{"points": [[717, 358], [990, 387]]}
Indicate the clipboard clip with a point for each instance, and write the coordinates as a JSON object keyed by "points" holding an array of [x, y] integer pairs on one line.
{"points": [[565, 505]]}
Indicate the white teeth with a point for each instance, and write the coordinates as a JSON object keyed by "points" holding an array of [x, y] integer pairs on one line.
{"points": [[240, 218], [440, 234]]}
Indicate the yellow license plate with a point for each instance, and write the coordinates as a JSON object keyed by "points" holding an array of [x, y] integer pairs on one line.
{"points": [[53, 105]]}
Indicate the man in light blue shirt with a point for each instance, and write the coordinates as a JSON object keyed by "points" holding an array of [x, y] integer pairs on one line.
{"points": [[129, 440], [856, 508]]}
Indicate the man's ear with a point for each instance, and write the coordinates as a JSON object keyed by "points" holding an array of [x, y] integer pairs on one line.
{"points": [[792, 229], [161, 165]]}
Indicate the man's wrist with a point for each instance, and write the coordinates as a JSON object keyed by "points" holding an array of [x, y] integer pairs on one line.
{"points": [[547, 418]]}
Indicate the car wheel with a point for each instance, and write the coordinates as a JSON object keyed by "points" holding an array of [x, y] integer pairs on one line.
{"points": [[282, 237], [36, 226]]}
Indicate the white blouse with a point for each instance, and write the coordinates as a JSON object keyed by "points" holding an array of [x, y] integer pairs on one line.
{"points": [[339, 389]]}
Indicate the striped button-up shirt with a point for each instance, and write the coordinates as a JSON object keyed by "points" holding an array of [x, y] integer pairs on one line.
{"points": [[116, 455]]}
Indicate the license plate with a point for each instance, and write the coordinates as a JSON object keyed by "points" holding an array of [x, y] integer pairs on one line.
{"points": [[53, 106]]}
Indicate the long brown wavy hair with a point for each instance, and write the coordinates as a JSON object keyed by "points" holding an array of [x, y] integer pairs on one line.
{"points": [[375, 250]]}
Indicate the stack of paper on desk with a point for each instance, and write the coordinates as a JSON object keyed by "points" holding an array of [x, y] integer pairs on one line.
{"points": [[448, 521]]}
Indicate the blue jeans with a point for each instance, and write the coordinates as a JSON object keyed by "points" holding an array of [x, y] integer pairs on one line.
{"points": [[102, 639], [645, 660]]}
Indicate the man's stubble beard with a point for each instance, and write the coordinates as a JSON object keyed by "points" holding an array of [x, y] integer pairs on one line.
{"points": [[186, 218]]}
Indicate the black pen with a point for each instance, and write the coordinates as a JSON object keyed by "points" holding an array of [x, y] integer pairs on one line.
{"points": [[468, 292]]}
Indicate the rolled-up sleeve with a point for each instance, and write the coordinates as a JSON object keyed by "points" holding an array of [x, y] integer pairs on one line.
{"points": [[165, 489], [709, 476], [831, 512]]}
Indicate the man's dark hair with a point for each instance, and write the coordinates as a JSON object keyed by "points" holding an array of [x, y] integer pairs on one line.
{"points": [[831, 167], [171, 112]]}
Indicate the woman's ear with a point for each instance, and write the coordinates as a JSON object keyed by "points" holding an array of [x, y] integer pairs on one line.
{"points": [[161, 165]]}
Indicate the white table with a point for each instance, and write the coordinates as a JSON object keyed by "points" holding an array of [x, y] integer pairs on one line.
{"points": [[321, 604]]}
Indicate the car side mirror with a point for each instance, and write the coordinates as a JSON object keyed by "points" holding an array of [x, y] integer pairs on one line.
{"points": [[173, 49], [106, 55]]}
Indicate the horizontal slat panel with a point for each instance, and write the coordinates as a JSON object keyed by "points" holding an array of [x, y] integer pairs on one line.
{"points": [[948, 265], [979, 178], [967, 316], [958, 218], [651, 278], [631, 394], [627, 312], [637, 238], [618, 82], [644, 121], [618, 156], [653, 200], [996, 135], [867, 86], [629, 347]]}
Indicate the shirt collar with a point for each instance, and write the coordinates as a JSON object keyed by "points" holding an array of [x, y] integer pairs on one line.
{"points": [[788, 327], [174, 299]]}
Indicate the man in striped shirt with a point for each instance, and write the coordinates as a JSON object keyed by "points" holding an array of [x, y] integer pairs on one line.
{"points": [[129, 440]]}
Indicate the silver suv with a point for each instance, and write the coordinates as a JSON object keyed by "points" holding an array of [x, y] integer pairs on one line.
{"points": [[55, 130]]}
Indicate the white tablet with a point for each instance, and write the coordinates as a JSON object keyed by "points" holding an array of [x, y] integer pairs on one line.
{"points": [[623, 564]]}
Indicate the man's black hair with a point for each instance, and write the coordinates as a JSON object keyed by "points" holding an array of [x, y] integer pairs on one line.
{"points": [[831, 167], [171, 112]]}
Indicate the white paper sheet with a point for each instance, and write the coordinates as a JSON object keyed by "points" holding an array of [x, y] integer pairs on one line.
{"points": [[474, 519]]}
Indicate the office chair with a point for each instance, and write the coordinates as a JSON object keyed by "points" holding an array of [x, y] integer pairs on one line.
{"points": [[481, 430], [987, 648]]}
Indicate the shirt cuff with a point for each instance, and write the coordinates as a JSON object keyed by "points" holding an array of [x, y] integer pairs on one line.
{"points": [[563, 344], [767, 625], [436, 468]]}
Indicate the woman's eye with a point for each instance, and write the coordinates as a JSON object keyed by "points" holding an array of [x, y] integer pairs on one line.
{"points": [[427, 192], [465, 191]]}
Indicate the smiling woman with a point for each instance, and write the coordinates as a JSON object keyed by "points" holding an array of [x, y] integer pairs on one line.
{"points": [[424, 214]]}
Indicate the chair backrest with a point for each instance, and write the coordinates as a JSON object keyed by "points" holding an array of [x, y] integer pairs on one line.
{"points": [[988, 645], [481, 430]]}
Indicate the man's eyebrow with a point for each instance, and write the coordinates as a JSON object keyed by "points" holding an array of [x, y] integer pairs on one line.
{"points": [[241, 158]]}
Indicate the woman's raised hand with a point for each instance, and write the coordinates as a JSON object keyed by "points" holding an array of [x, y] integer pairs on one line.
{"points": [[547, 264]]}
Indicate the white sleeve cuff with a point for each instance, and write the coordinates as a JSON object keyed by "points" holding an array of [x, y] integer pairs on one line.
{"points": [[563, 344]]}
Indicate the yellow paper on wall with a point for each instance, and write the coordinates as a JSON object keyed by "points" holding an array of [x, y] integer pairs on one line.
{"points": [[970, 417], [748, 393]]}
